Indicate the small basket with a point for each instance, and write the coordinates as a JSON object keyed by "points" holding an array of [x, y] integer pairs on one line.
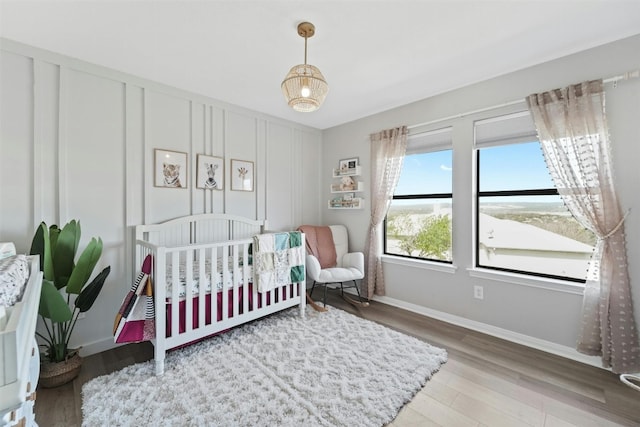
{"points": [[58, 373]]}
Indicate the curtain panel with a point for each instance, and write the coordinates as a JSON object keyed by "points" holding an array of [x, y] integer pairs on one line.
{"points": [[388, 148], [573, 132]]}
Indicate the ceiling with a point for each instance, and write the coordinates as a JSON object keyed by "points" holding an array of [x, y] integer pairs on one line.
{"points": [[375, 55]]}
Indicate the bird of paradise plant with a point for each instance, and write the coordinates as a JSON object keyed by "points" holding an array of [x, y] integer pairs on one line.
{"points": [[62, 274]]}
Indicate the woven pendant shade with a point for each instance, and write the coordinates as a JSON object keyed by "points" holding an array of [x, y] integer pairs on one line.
{"points": [[300, 77], [304, 87]]}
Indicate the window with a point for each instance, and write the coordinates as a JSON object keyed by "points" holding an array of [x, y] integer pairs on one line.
{"points": [[522, 224], [418, 224]]}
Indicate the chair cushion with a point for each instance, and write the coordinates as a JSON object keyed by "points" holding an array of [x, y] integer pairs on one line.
{"points": [[331, 275]]}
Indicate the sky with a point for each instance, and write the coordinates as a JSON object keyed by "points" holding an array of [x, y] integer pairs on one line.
{"points": [[513, 167], [505, 167]]}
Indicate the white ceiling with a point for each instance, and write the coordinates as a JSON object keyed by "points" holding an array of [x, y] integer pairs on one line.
{"points": [[375, 55]]}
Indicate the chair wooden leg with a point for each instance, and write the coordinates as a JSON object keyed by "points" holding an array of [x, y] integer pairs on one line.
{"points": [[324, 298], [325, 295], [312, 287], [355, 284]]}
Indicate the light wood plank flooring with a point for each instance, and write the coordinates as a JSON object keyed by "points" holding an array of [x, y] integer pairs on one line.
{"points": [[486, 382]]}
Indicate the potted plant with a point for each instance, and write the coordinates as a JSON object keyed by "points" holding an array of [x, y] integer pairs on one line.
{"points": [[66, 293]]}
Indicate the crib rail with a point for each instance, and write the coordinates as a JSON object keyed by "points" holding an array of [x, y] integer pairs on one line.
{"points": [[200, 228]]}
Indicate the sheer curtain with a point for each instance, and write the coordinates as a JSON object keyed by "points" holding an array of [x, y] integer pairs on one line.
{"points": [[387, 152], [574, 136]]}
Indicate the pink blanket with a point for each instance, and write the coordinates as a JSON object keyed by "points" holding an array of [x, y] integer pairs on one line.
{"points": [[319, 242]]}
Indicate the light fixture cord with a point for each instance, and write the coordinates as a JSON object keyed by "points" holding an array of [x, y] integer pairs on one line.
{"points": [[305, 49]]}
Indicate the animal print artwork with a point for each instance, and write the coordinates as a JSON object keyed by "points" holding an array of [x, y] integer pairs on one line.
{"points": [[211, 176], [171, 174], [242, 172], [241, 175]]}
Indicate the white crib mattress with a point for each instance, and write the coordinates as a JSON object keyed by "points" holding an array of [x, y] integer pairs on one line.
{"points": [[222, 281]]}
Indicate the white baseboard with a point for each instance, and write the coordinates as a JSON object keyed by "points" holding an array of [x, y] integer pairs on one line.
{"points": [[526, 340], [546, 346], [98, 346]]}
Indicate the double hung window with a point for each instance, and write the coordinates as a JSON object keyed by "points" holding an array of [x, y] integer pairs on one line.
{"points": [[522, 225], [418, 224]]}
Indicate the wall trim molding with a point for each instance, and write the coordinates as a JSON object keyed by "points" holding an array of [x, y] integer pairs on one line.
{"points": [[109, 73]]}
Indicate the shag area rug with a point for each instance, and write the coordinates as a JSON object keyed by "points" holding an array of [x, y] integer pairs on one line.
{"points": [[326, 369]]}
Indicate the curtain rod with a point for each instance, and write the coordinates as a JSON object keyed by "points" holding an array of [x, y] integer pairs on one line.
{"points": [[626, 76], [615, 79]]}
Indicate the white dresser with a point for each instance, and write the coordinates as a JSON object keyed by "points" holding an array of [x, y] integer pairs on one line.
{"points": [[19, 356]]}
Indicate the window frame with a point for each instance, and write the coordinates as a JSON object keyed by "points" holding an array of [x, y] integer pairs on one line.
{"points": [[506, 193], [423, 196]]}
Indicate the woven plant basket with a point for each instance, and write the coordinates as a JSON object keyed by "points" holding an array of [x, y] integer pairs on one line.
{"points": [[55, 374]]}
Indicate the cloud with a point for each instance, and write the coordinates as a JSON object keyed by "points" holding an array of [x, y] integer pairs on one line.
{"points": [[416, 161], [446, 168]]}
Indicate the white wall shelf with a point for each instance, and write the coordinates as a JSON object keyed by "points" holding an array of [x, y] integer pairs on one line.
{"points": [[347, 190]]}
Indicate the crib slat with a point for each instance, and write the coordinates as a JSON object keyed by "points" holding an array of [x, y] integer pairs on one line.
{"points": [[245, 278], [159, 278], [202, 257], [236, 281], [175, 287], [213, 315], [188, 297], [225, 278]]}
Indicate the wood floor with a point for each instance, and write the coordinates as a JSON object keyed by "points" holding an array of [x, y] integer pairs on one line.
{"points": [[486, 382]]}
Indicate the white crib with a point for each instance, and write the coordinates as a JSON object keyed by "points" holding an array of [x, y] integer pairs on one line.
{"points": [[202, 278]]}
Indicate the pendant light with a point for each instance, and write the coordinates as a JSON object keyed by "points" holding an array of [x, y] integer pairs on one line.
{"points": [[305, 87]]}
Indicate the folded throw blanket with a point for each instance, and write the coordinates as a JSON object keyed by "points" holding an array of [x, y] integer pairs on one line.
{"points": [[278, 259], [319, 242]]}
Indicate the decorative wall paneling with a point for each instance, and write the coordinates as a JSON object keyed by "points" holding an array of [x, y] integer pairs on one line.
{"points": [[77, 141]]}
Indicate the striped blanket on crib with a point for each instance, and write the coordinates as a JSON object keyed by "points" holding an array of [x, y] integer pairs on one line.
{"points": [[278, 259]]}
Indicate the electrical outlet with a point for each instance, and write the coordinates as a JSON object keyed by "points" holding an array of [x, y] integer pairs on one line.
{"points": [[478, 292]]}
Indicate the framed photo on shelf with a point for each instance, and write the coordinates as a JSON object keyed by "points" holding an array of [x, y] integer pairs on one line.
{"points": [[210, 172], [241, 175], [170, 169], [348, 165]]}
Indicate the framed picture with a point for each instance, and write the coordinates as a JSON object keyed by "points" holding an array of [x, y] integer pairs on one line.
{"points": [[210, 172], [348, 165], [241, 175], [170, 169]]}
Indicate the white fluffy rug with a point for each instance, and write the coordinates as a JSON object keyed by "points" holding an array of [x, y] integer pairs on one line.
{"points": [[328, 369]]}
